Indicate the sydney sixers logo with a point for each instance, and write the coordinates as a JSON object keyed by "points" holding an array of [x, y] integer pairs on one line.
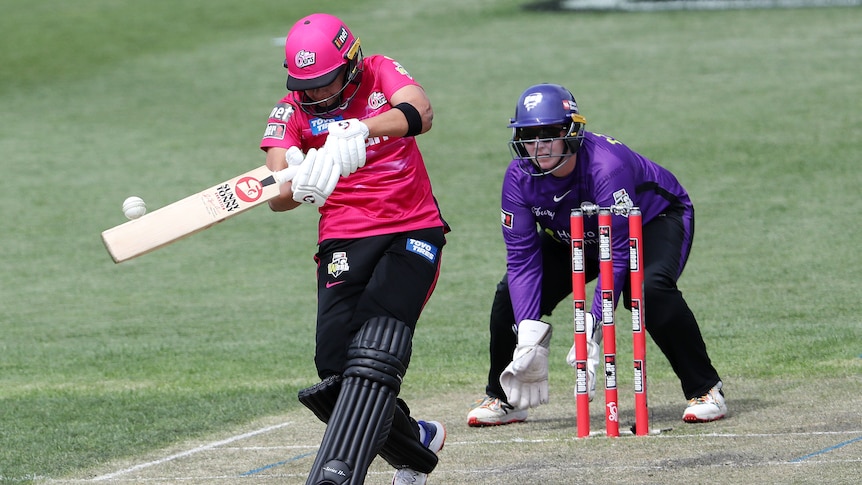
{"points": [[248, 189], [305, 58]]}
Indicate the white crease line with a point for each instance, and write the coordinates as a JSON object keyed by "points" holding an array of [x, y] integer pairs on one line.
{"points": [[664, 435], [265, 448], [190, 452], [456, 443]]}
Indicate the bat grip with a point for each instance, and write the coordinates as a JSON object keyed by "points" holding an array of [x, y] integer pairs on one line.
{"points": [[286, 174]]}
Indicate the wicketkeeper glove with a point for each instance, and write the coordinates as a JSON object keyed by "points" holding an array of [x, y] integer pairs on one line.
{"points": [[346, 144], [594, 352], [525, 379], [316, 177]]}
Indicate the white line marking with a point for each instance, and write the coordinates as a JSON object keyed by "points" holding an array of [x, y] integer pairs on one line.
{"points": [[669, 435], [665, 434], [190, 452], [274, 447]]}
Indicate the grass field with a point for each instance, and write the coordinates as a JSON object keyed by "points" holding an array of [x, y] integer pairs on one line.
{"points": [[102, 364]]}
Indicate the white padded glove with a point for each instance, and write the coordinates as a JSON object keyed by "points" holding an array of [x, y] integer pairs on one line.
{"points": [[525, 379], [346, 144], [316, 177], [293, 157], [594, 352]]}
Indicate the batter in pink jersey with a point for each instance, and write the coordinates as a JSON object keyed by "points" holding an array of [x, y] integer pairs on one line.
{"points": [[347, 129]]}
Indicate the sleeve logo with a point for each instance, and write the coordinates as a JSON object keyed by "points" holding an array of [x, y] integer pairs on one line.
{"points": [[281, 111], [275, 130], [507, 219]]}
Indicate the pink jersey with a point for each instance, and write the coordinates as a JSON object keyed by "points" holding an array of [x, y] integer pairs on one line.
{"points": [[392, 192]]}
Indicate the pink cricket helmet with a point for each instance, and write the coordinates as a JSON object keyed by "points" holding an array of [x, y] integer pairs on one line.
{"points": [[316, 49]]}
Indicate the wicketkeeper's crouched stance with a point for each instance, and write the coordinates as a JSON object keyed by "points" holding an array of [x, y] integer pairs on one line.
{"points": [[556, 166]]}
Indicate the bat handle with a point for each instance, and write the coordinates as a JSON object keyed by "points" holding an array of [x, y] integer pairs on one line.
{"points": [[286, 174]]}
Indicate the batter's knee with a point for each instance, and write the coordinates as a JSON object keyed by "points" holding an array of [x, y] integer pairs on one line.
{"points": [[380, 352]]}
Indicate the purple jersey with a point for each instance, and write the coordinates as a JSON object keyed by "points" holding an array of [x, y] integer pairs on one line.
{"points": [[607, 173]]}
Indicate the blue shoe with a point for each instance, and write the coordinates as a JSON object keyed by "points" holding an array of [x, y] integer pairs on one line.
{"points": [[432, 434]]}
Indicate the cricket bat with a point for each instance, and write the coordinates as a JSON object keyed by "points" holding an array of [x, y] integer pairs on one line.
{"points": [[194, 213]]}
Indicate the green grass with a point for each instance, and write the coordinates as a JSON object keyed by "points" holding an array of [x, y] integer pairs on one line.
{"points": [[754, 110]]}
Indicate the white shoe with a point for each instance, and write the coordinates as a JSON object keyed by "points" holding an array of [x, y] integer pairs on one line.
{"points": [[706, 408], [432, 434], [492, 411]]}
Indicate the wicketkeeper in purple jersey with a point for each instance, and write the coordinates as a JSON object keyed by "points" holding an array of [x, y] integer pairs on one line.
{"points": [[556, 167]]}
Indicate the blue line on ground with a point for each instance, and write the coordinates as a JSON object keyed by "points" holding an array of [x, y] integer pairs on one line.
{"points": [[826, 450], [273, 465]]}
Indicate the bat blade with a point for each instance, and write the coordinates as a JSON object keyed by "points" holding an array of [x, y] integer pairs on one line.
{"points": [[190, 215]]}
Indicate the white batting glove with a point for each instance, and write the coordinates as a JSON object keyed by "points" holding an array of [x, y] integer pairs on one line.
{"points": [[525, 379], [293, 157], [594, 352], [346, 144], [316, 177]]}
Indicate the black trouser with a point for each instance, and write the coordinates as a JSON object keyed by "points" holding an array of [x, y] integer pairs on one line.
{"points": [[667, 317], [391, 275], [379, 276]]}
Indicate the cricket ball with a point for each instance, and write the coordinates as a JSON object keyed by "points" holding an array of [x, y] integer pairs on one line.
{"points": [[134, 207]]}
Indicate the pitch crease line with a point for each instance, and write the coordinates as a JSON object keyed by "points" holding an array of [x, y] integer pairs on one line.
{"points": [[280, 463], [663, 435], [209, 446], [826, 450]]}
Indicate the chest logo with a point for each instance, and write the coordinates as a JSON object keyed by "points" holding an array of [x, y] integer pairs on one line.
{"points": [[558, 198]]}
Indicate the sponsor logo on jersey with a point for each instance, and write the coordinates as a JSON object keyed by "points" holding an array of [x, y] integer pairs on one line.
{"points": [[422, 248], [400, 69], [375, 140], [507, 219], [539, 212], [319, 125], [281, 111], [558, 198], [275, 130]]}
